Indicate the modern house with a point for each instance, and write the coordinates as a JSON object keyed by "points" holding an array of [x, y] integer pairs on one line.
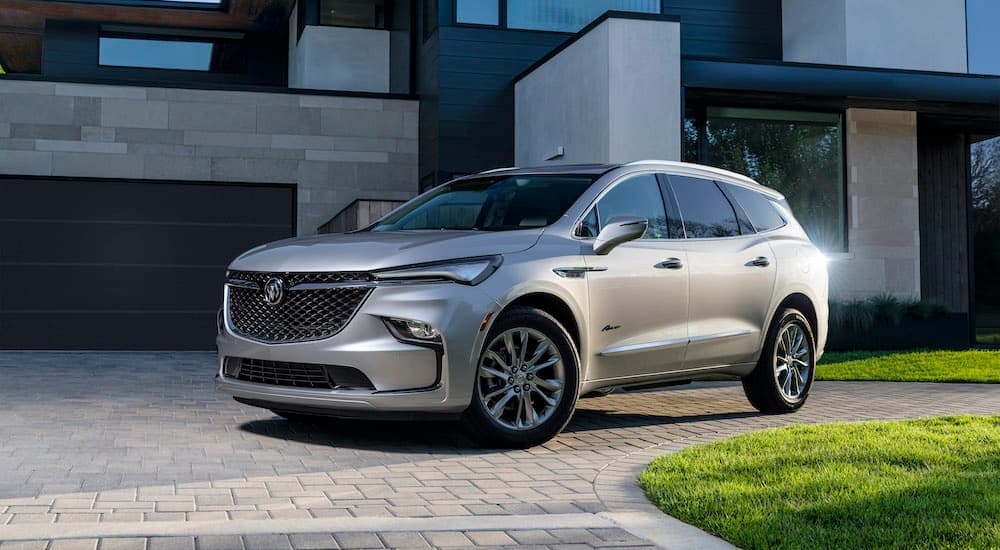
{"points": [[144, 143]]}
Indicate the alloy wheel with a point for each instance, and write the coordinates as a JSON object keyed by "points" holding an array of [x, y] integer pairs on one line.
{"points": [[521, 379], [793, 361]]}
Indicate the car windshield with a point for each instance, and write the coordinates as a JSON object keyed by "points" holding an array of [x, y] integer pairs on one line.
{"points": [[501, 203]]}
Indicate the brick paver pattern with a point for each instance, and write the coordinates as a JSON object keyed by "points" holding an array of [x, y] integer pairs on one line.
{"points": [[133, 437]]}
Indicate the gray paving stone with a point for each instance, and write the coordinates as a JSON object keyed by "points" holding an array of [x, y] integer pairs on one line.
{"points": [[358, 540], [266, 542], [171, 543], [310, 541], [123, 544]]}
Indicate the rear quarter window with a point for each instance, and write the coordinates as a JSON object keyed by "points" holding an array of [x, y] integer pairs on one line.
{"points": [[760, 209]]}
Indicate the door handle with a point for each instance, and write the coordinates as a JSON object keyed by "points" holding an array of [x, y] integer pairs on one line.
{"points": [[670, 263], [759, 261]]}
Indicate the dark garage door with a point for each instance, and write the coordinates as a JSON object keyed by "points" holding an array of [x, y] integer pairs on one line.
{"points": [[87, 264]]}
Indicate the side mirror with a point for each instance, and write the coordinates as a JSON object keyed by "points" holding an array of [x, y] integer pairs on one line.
{"points": [[619, 230]]}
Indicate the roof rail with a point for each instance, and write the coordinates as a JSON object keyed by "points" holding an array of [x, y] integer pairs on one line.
{"points": [[648, 161], [499, 170]]}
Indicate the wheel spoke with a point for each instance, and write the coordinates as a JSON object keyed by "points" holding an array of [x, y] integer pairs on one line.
{"points": [[529, 409], [539, 352], [544, 365], [523, 334], [498, 360], [782, 368], [493, 394], [788, 384], [548, 400], [799, 337], [550, 385], [498, 408], [485, 371], [800, 363], [800, 379], [508, 343]]}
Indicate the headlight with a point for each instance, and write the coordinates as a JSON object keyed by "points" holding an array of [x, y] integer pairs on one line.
{"points": [[469, 271]]}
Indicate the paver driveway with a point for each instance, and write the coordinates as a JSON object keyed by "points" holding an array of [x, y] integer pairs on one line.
{"points": [[127, 446]]}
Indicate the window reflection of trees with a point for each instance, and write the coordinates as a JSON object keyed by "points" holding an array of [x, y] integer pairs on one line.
{"points": [[984, 179], [802, 159]]}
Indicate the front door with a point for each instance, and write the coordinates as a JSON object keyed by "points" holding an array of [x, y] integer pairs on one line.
{"points": [[638, 292]]}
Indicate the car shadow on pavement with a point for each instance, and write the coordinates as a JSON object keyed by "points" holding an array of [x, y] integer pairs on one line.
{"points": [[585, 420], [447, 437], [438, 437]]}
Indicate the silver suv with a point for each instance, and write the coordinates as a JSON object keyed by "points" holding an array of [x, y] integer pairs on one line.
{"points": [[502, 297]]}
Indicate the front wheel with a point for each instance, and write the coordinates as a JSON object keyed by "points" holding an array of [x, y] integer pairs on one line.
{"points": [[784, 374], [527, 381]]}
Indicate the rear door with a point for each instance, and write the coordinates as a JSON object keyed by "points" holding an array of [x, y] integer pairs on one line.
{"points": [[638, 292], [732, 271]]}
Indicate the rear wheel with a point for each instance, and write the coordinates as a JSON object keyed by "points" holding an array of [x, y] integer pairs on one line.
{"points": [[784, 374], [527, 381]]}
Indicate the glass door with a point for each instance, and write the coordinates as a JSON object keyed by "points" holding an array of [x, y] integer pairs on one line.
{"points": [[984, 176]]}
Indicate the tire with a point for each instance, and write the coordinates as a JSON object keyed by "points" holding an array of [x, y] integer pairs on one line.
{"points": [[773, 388], [541, 371]]}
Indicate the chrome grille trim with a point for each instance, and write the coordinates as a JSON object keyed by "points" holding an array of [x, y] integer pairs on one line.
{"points": [[317, 305]]}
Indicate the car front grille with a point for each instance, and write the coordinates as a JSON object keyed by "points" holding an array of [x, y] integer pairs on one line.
{"points": [[297, 375], [302, 314]]}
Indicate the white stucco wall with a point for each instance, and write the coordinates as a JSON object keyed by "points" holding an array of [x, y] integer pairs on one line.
{"points": [[925, 35], [611, 96], [814, 31], [338, 58]]}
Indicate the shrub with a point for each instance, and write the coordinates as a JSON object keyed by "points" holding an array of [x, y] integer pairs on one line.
{"points": [[862, 315]]}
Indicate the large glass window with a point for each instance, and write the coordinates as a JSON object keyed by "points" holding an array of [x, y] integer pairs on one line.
{"points": [[228, 56], [800, 154], [369, 14], [706, 212], [638, 196], [491, 204], [982, 17], [568, 15], [478, 12], [984, 172]]}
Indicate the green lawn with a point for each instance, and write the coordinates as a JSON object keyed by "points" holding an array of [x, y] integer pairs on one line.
{"points": [[932, 483], [913, 366]]}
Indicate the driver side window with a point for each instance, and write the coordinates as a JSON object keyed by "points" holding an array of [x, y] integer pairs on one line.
{"points": [[637, 196]]}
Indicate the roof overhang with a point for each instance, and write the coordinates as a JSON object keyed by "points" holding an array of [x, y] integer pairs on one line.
{"points": [[835, 81]]}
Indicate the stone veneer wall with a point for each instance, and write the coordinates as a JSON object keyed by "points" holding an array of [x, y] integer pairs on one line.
{"points": [[335, 148], [883, 213]]}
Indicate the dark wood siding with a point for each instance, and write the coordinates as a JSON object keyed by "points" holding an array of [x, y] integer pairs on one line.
{"points": [[93, 264], [72, 48], [738, 29], [944, 237], [476, 71]]}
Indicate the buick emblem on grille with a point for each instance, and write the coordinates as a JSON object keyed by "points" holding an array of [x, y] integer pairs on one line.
{"points": [[274, 291]]}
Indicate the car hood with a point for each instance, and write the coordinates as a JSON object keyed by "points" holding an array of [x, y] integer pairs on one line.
{"points": [[367, 251]]}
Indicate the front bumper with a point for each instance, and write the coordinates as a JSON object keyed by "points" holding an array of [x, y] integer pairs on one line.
{"points": [[407, 378]]}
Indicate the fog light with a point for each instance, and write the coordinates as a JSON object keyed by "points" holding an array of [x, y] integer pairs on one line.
{"points": [[414, 332], [422, 331]]}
